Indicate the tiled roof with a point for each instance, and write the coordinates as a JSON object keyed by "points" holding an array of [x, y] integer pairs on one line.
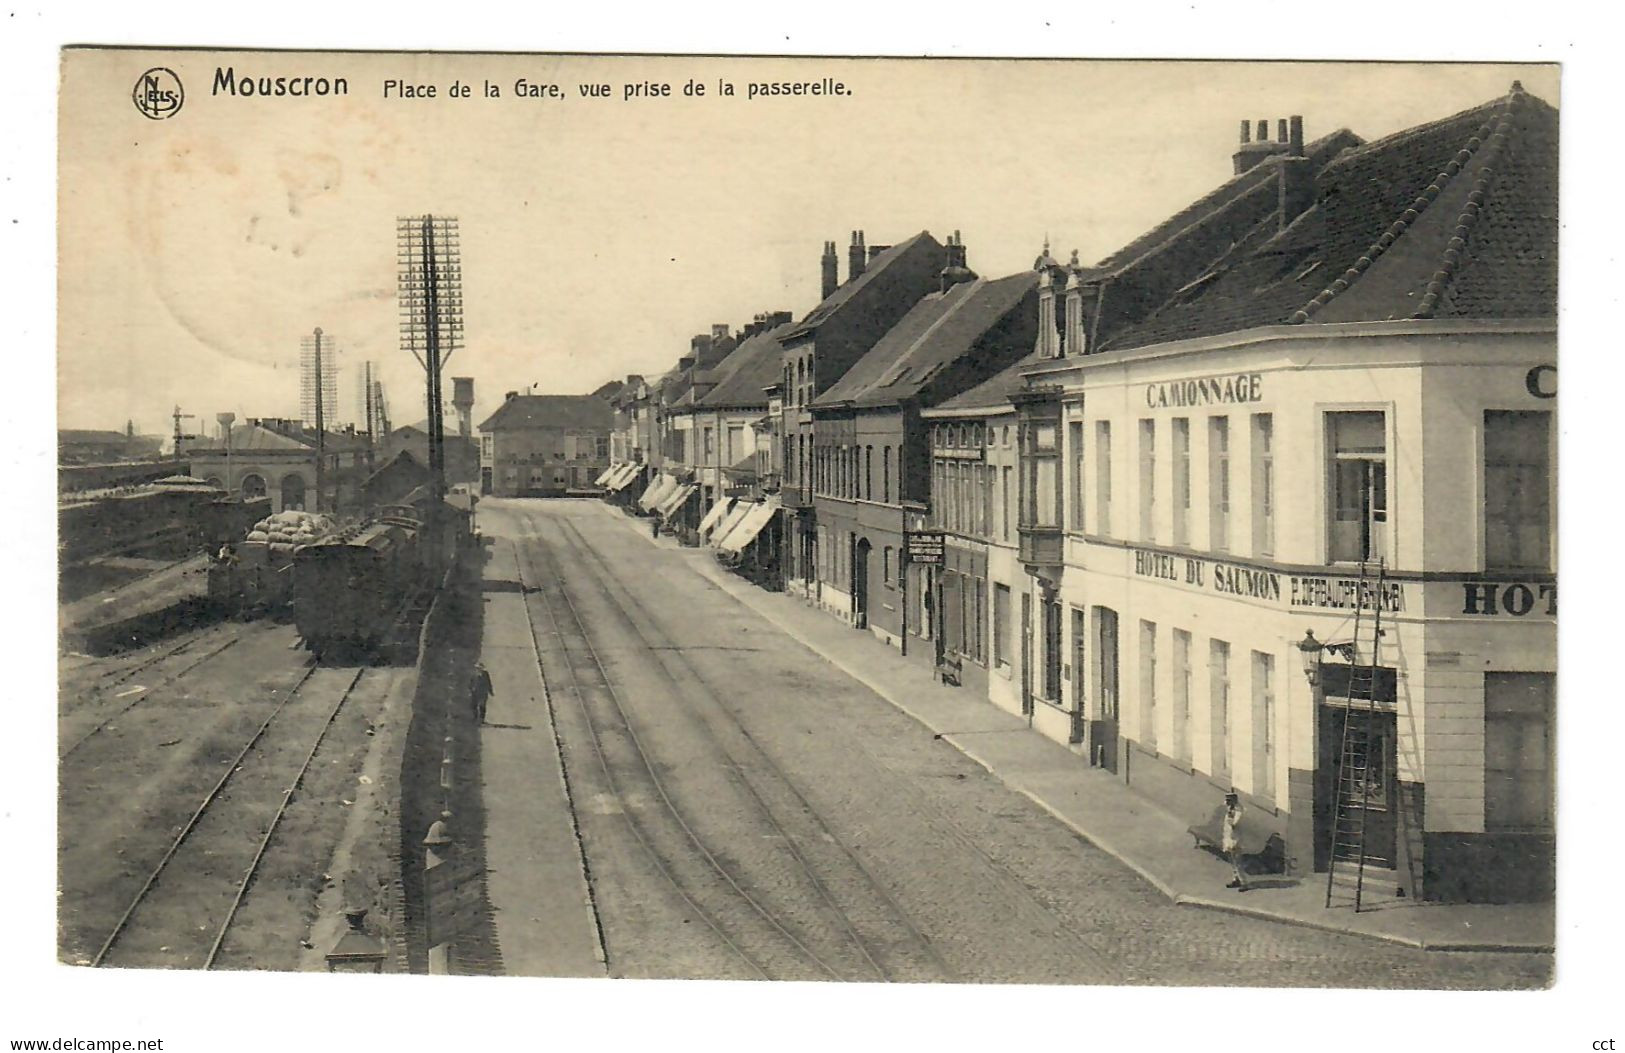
{"points": [[1139, 278], [871, 275], [937, 332], [582, 412], [1456, 218], [993, 393], [754, 365]]}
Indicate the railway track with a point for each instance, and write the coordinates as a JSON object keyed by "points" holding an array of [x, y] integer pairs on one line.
{"points": [[890, 944], [210, 651], [699, 878], [665, 650], [182, 913]]}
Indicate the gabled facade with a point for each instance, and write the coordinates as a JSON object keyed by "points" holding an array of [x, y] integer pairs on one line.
{"points": [[545, 445], [883, 284]]}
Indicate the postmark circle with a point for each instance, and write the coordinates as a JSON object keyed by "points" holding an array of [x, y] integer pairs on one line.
{"points": [[158, 93]]}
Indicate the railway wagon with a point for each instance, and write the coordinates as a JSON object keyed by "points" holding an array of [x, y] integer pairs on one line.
{"points": [[347, 588]]}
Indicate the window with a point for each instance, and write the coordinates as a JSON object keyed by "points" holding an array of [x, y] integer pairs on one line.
{"points": [[709, 444], [1218, 460], [1182, 481], [885, 474], [1001, 625], [1518, 712], [1264, 726], [1182, 696], [1103, 477], [1263, 484], [1148, 685], [885, 566], [736, 444], [1074, 434], [868, 473], [1219, 702], [1148, 480], [984, 475], [1005, 483], [1041, 494], [1358, 477], [1517, 488]]}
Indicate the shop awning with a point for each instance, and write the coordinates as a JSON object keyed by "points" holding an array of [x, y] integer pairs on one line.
{"points": [[735, 516], [743, 534], [624, 476], [674, 501], [719, 511], [657, 491], [606, 475]]}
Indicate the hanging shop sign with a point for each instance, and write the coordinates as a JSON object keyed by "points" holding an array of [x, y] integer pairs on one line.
{"points": [[925, 547]]}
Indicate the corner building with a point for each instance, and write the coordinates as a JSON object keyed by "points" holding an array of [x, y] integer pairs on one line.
{"points": [[1353, 409]]}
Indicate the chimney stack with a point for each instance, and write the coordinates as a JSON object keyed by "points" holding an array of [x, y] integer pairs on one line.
{"points": [[955, 271], [830, 262], [1256, 144], [1297, 178], [855, 257]]}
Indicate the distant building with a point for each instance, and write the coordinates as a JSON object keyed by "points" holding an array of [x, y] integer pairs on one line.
{"points": [[276, 458], [83, 446], [462, 454], [545, 445]]}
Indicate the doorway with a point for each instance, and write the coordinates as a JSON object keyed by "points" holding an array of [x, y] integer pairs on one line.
{"points": [[1105, 737], [1027, 656], [860, 583], [1079, 675], [1372, 745]]}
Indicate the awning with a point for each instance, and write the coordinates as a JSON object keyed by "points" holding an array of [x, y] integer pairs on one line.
{"points": [[605, 475], [625, 476], [657, 490], [675, 500], [718, 512], [743, 534], [735, 516]]}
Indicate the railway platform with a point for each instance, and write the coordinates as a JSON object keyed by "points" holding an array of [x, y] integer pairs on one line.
{"points": [[534, 881]]}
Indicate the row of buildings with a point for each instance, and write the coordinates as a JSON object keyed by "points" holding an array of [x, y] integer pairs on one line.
{"points": [[1286, 457]]}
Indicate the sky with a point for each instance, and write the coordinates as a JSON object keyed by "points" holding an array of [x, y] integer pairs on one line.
{"points": [[599, 234]]}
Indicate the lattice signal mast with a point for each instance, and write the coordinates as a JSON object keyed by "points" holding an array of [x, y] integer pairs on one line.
{"points": [[430, 292]]}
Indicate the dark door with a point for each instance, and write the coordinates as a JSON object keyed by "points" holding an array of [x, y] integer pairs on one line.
{"points": [[1027, 655], [1372, 738], [1080, 673], [1105, 739], [860, 583]]}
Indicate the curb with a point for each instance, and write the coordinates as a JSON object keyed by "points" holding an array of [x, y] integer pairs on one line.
{"points": [[1175, 897]]}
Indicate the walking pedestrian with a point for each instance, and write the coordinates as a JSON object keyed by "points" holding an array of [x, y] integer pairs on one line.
{"points": [[654, 526], [480, 691], [1230, 839]]}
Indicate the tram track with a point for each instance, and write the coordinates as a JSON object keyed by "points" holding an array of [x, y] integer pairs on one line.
{"points": [[1106, 965], [887, 939], [150, 931], [689, 866]]}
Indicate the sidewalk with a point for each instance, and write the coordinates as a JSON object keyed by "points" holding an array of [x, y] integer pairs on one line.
{"points": [[1145, 838]]}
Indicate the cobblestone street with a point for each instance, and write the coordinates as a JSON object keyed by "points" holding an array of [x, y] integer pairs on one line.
{"points": [[746, 810]]}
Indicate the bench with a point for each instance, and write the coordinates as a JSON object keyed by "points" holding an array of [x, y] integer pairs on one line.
{"points": [[1264, 846], [949, 668]]}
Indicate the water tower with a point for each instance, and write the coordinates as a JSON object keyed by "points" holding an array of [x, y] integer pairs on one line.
{"points": [[462, 400]]}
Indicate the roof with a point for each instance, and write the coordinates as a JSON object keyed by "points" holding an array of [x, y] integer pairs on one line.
{"points": [[871, 275], [253, 437], [754, 365], [1456, 218], [992, 394], [582, 412], [1134, 281], [937, 332]]}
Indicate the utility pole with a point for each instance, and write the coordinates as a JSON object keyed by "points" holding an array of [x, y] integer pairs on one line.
{"points": [[179, 436], [321, 424], [430, 291]]}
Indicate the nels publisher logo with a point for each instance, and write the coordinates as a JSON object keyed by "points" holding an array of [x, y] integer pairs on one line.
{"points": [[158, 94]]}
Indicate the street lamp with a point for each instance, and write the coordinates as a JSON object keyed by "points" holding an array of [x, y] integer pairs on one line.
{"points": [[355, 951], [1310, 649]]}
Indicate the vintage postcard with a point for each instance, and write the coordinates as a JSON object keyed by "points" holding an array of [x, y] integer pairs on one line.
{"points": [[828, 519]]}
